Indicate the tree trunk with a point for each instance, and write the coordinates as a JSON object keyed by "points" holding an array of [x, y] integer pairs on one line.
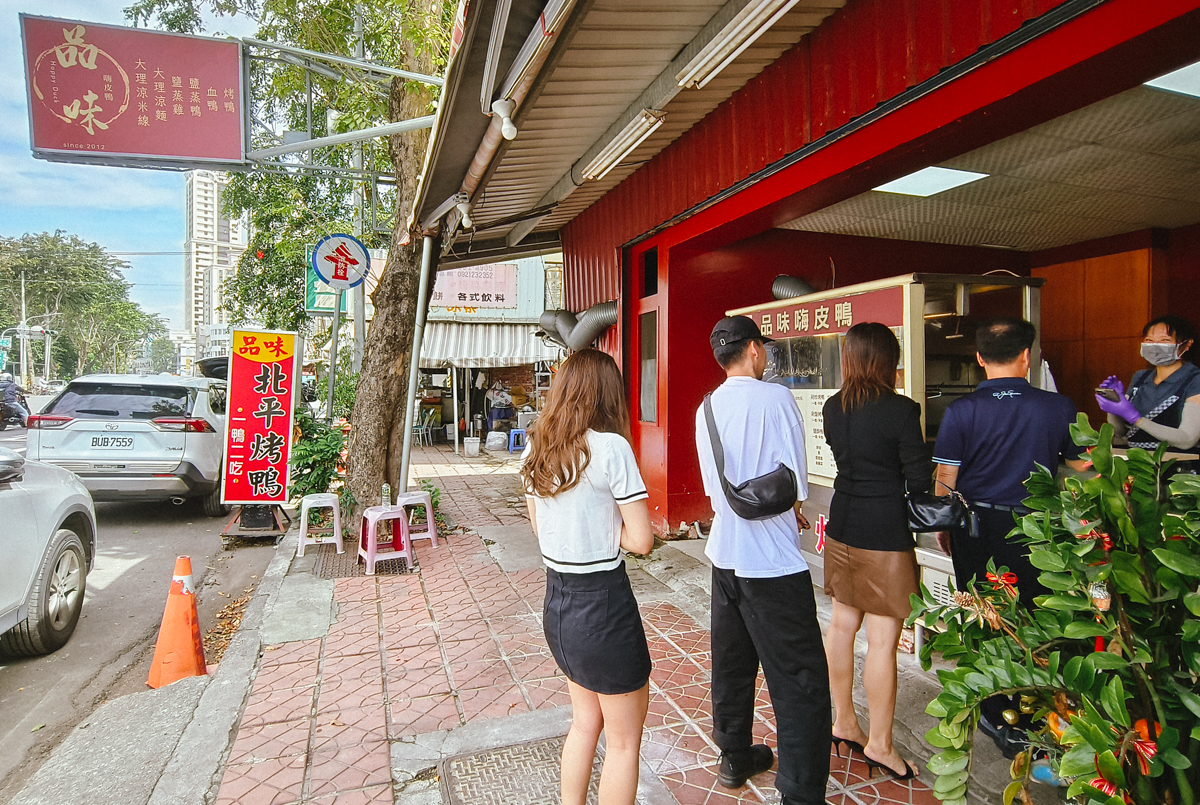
{"points": [[377, 437]]}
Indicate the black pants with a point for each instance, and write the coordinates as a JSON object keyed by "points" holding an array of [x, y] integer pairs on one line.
{"points": [[773, 621], [971, 555]]}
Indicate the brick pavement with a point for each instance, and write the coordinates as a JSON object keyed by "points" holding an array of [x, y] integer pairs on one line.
{"points": [[461, 642]]}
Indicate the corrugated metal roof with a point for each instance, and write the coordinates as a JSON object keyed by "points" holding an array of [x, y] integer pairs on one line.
{"points": [[613, 59], [483, 346]]}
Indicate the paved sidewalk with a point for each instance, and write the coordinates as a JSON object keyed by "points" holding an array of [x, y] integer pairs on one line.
{"points": [[459, 647]]}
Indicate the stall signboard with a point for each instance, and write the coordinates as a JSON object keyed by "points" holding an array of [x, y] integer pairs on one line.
{"points": [[464, 290], [810, 364], [105, 93], [259, 415], [834, 315]]}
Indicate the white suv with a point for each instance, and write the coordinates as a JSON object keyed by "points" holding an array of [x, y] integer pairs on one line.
{"points": [[137, 437]]}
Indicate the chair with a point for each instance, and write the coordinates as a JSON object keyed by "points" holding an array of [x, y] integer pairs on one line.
{"points": [[427, 426], [415, 531], [368, 545], [322, 500], [516, 435]]}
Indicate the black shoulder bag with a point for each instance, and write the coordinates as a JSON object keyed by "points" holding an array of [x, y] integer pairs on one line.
{"points": [[929, 512], [759, 498]]}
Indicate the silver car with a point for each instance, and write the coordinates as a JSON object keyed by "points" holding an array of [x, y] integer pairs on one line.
{"points": [[137, 437], [48, 545]]}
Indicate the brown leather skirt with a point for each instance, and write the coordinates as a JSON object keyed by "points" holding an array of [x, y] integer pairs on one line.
{"points": [[878, 582]]}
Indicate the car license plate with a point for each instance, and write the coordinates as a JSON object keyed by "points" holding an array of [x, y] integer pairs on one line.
{"points": [[112, 442]]}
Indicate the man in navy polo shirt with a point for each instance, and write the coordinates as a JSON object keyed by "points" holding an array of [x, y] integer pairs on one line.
{"points": [[989, 443]]}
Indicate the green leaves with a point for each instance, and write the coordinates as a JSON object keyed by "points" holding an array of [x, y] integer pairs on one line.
{"points": [[1183, 563], [1113, 699]]}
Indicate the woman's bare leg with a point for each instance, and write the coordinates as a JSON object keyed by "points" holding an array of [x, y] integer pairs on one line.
{"points": [[879, 678], [624, 717], [579, 750], [839, 651]]}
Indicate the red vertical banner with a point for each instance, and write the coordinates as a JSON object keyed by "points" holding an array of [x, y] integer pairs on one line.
{"points": [[261, 410]]}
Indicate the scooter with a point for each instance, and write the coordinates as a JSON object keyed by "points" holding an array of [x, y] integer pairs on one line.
{"points": [[8, 414]]}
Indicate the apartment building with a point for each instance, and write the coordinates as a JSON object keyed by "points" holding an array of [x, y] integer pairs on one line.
{"points": [[212, 246]]}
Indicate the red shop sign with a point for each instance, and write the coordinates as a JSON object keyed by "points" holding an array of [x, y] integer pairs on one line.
{"points": [[99, 92], [258, 425], [836, 314]]}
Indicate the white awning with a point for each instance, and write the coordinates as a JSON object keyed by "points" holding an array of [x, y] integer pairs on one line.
{"points": [[483, 346]]}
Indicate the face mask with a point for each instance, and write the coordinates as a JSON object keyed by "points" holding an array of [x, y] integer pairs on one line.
{"points": [[1160, 354]]}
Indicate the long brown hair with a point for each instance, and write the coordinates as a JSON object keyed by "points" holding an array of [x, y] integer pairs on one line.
{"points": [[587, 393], [870, 355]]}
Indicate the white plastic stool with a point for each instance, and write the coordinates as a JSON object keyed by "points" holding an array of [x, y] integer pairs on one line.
{"points": [[420, 498], [323, 500]]}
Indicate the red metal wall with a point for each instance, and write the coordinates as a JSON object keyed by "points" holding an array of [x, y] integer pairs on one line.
{"points": [[869, 51]]}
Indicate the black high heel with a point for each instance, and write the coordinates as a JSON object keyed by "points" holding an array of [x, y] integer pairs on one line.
{"points": [[910, 771], [853, 746]]}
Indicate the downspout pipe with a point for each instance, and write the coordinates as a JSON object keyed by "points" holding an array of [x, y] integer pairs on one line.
{"points": [[787, 287], [577, 333], [414, 364]]}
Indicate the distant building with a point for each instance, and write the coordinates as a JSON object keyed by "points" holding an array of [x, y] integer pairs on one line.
{"points": [[185, 351], [212, 246], [213, 339]]}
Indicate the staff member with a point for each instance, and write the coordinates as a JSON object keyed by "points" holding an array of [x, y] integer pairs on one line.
{"points": [[1163, 403]]}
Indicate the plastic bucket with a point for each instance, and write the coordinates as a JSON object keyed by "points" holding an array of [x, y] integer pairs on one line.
{"points": [[450, 432], [471, 445]]}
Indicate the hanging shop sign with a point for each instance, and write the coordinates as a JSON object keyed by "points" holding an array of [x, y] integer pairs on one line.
{"points": [[341, 261], [259, 415], [834, 315], [464, 289], [103, 93]]}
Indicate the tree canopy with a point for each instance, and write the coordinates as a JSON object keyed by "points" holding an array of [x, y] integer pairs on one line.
{"points": [[78, 291]]}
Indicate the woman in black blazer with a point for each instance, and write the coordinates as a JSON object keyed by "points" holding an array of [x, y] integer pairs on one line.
{"points": [[870, 566]]}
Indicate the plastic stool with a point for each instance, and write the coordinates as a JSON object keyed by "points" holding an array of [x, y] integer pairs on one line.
{"points": [[515, 435], [323, 500], [368, 546], [417, 531]]}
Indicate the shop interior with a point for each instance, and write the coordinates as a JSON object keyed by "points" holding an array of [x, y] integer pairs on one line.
{"points": [[480, 401]]}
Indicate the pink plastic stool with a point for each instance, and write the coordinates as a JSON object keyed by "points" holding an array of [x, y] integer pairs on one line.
{"points": [[415, 530], [368, 546]]}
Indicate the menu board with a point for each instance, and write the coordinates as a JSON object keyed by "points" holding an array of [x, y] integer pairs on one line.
{"points": [[820, 457]]}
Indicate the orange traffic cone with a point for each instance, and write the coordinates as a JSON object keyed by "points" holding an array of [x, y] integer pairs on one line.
{"points": [[179, 652]]}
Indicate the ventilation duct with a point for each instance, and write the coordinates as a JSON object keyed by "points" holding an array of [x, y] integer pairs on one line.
{"points": [[786, 287], [577, 332]]}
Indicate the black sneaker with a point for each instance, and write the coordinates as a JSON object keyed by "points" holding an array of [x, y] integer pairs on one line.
{"points": [[737, 767], [1009, 740]]}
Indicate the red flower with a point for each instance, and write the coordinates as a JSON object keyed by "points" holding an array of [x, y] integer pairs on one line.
{"points": [[1104, 787], [1005, 581], [1146, 750]]}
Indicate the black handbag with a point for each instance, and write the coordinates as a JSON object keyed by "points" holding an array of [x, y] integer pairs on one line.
{"points": [[758, 498], [930, 512]]}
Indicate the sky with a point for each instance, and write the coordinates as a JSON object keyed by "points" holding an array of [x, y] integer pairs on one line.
{"points": [[122, 209]]}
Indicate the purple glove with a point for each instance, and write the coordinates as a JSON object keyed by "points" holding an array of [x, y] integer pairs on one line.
{"points": [[1122, 408], [1114, 383]]}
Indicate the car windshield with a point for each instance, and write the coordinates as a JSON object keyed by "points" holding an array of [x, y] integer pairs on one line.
{"points": [[113, 401]]}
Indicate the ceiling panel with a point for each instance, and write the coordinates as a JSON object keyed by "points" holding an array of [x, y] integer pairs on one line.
{"points": [[1128, 162]]}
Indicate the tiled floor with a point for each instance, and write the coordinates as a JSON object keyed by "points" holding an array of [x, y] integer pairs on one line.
{"points": [[462, 641]]}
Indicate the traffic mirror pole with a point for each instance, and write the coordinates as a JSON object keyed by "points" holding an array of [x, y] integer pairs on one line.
{"points": [[333, 351]]}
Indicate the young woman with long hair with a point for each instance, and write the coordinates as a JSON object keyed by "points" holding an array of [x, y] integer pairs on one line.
{"points": [[586, 502], [870, 564]]}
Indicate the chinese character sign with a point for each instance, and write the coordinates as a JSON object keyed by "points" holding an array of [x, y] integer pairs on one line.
{"points": [[792, 319], [258, 437], [491, 286], [340, 261], [100, 91]]}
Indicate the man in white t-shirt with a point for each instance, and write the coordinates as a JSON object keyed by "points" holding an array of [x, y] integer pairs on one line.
{"points": [[763, 606]]}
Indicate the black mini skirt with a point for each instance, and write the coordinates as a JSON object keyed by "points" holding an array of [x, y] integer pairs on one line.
{"points": [[595, 631]]}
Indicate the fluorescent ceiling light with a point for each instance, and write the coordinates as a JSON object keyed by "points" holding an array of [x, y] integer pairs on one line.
{"points": [[755, 19], [1185, 81], [642, 126], [930, 181]]}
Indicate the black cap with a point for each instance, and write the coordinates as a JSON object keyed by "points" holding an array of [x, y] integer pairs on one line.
{"points": [[733, 329]]}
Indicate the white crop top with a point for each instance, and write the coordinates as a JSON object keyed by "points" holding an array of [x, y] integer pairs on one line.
{"points": [[580, 530]]}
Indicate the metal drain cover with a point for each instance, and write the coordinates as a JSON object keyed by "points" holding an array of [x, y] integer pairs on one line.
{"points": [[523, 774]]}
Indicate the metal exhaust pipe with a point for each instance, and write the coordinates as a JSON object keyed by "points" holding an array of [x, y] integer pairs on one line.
{"points": [[178, 501]]}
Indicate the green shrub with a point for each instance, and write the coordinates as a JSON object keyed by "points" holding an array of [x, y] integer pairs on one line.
{"points": [[316, 456], [1108, 662]]}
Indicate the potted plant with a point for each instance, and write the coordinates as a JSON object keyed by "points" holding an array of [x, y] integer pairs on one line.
{"points": [[1107, 663]]}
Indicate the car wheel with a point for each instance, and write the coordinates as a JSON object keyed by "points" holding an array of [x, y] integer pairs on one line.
{"points": [[213, 507], [3, 424], [55, 601]]}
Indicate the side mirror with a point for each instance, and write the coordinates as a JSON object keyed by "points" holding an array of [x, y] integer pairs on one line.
{"points": [[12, 465]]}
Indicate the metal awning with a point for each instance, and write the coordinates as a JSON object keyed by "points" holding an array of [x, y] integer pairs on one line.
{"points": [[591, 76], [483, 346]]}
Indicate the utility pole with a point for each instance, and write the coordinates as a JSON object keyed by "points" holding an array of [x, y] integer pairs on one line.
{"points": [[23, 336], [360, 293]]}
